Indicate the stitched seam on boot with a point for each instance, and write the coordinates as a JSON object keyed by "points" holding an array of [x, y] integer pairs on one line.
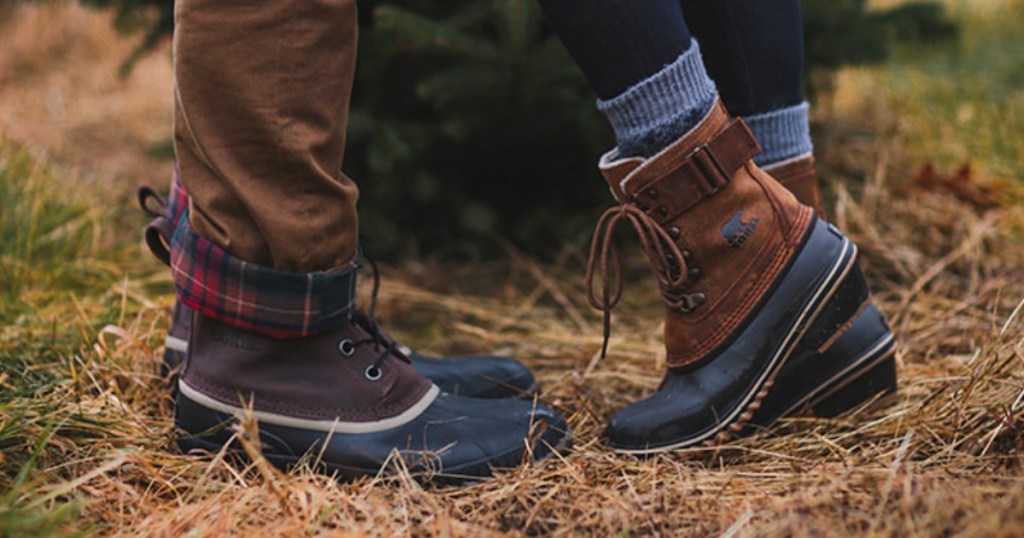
{"points": [[784, 222], [743, 309], [729, 324], [754, 260], [844, 327]]}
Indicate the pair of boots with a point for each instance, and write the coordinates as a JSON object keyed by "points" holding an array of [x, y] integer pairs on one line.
{"points": [[766, 314]]}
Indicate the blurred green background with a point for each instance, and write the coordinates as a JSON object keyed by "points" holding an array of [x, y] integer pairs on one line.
{"points": [[470, 122]]}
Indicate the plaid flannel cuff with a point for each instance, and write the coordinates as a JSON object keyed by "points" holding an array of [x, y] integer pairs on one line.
{"points": [[255, 298], [177, 201]]}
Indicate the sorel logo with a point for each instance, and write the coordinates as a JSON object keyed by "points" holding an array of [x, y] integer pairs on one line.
{"points": [[736, 232]]}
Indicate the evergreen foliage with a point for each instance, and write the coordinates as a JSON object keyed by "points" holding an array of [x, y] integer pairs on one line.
{"points": [[469, 121], [154, 17], [843, 32]]}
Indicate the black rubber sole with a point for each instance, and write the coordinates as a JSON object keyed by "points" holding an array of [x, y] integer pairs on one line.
{"points": [[191, 444], [837, 351], [832, 258], [873, 384], [844, 381], [372, 454]]}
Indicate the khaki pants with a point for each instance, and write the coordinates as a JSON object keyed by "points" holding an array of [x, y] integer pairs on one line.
{"points": [[261, 105]]}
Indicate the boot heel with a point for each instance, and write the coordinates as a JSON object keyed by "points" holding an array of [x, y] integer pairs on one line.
{"points": [[171, 365], [878, 382]]}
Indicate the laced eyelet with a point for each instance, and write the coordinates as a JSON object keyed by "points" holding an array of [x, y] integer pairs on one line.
{"points": [[692, 301], [346, 347], [373, 373]]}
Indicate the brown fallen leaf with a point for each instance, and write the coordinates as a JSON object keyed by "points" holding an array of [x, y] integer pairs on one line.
{"points": [[962, 184]]}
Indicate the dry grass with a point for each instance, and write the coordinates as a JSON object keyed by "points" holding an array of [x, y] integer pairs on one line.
{"points": [[86, 427], [59, 93]]}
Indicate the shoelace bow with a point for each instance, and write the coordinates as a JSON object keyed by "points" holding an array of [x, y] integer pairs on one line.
{"points": [[667, 262]]}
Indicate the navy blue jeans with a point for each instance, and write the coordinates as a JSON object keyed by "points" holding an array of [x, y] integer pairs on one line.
{"points": [[753, 49]]}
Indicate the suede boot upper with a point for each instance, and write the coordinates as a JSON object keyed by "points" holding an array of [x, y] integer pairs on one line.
{"points": [[801, 178], [734, 227], [329, 376]]}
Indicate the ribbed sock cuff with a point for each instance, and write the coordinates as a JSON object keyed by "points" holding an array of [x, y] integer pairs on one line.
{"points": [[655, 112], [783, 134]]}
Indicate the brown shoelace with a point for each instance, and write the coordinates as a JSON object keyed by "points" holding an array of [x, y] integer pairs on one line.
{"points": [[667, 262]]}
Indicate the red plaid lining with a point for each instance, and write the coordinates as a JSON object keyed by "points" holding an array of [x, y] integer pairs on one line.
{"points": [[276, 303], [177, 201]]}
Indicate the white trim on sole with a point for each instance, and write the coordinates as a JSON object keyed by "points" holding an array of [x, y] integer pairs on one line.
{"points": [[176, 344], [843, 264], [327, 426]]}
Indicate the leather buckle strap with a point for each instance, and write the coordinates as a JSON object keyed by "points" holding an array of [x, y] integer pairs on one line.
{"points": [[714, 174], [702, 173]]}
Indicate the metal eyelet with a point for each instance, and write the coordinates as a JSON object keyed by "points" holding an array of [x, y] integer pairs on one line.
{"points": [[674, 232], [346, 347], [373, 373], [692, 300], [652, 193]]}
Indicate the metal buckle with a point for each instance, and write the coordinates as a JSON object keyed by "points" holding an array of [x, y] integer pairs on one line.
{"points": [[715, 174]]}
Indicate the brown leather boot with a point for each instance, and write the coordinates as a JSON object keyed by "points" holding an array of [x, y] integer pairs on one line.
{"points": [[801, 178], [744, 270]]}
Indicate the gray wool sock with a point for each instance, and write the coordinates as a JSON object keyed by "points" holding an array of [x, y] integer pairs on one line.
{"points": [[783, 134], [656, 111]]}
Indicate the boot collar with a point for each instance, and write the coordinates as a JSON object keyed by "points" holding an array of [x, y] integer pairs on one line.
{"points": [[627, 175]]}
